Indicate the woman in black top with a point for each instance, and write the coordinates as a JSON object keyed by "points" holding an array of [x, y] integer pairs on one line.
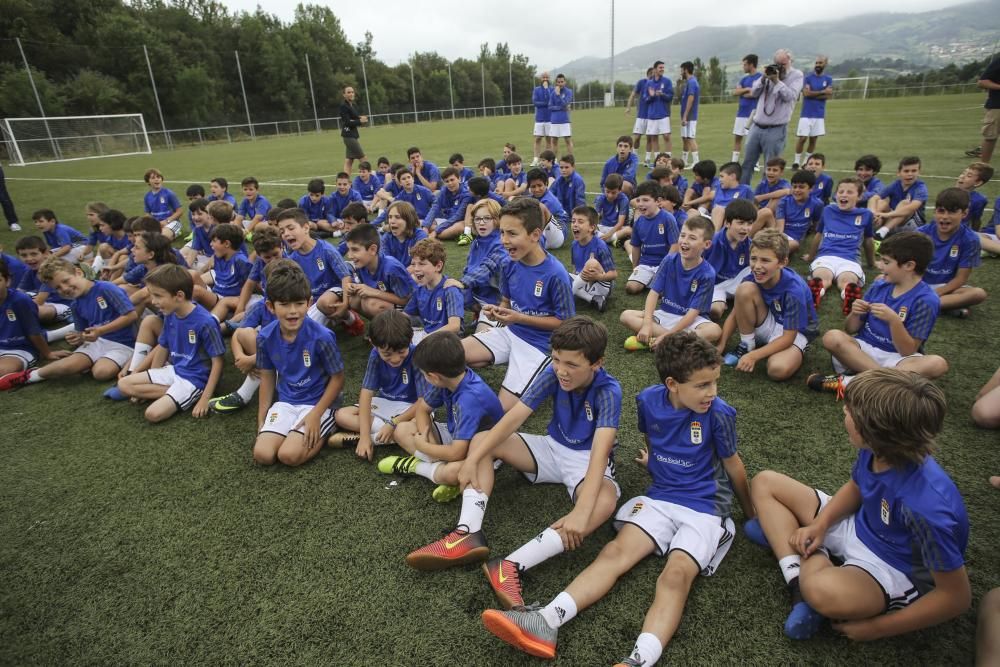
{"points": [[349, 122]]}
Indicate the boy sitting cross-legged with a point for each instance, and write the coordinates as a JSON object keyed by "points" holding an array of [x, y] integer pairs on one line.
{"points": [[299, 358], [729, 253], [383, 282], [190, 341], [230, 268], [487, 257], [594, 269], [577, 451], [898, 526], [888, 327], [654, 234], [439, 306], [691, 455], [799, 211], [22, 338]]}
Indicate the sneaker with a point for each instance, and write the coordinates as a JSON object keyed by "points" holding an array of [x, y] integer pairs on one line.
{"points": [[734, 357], [616, 242], [817, 289], [523, 628], [115, 394], [852, 292], [505, 579], [632, 344], [457, 547], [398, 465], [629, 662], [343, 440], [14, 227], [795, 166], [228, 403], [755, 533], [974, 152], [190, 237], [464, 239], [601, 303], [803, 622], [756, 167], [831, 383], [357, 325], [14, 380], [445, 493]]}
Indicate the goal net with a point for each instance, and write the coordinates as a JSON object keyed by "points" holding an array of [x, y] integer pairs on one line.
{"points": [[61, 138], [851, 88]]}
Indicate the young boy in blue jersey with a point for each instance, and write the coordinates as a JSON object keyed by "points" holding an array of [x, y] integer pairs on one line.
{"points": [[419, 197], [624, 163], [612, 209], [298, 360], [438, 306], [340, 199], [253, 209], [898, 528], [536, 296], [198, 252], [899, 206], [842, 231], [988, 234], [515, 183], [540, 100], [594, 269], [267, 247], [15, 267], [104, 323], [889, 326], [730, 189], [569, 187], [424, 171], [658, 93], [382, 282], [641, 115], [470, 407], [799, 211], [162, 204], [576, 451], [773, 312], [690, 97], [547, 163], [773, 186], [680, 295], [22, 338], [93, 211], [729, 253], [701, 193], [317, 207], [560, 101], [554, 234], [64, 241], [684, 515], [822, 189], [457, 160], [218, 190], [445, 219], [230, 268], [353, 215], [388, 390], [111, 233], [390, 186], [366, 183], [477, 189], [956, 253], [52, 306], [866, 168], [741, 126], [484, 264], [972, 177], [654, 234], [183, 370], [402, 231], [817, 88]]}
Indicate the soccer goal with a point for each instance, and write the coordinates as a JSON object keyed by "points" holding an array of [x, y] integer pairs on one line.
{"points": [[851, 88], [62, 138]]}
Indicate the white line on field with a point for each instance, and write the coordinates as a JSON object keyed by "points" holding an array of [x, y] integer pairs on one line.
{"points": [[836, 171], [139, 181]]}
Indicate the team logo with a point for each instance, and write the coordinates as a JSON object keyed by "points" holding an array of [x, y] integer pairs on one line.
{"points": [[192, 336], [538, 287], [306, 359], [694, 285], [953, 252], [418, 196], [588, 410], [11, 315], [319, 264], [695, 433], [661, 229], [743, 260], [885, 511], [440, 303], [381, 286], [902, 313], [273, 418], [163, 200], [636, 509], [777, 306], [101, 303], [857, 221], [405, 376]]}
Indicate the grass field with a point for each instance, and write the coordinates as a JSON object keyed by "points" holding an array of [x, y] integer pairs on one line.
{"points": [[130, 543]]}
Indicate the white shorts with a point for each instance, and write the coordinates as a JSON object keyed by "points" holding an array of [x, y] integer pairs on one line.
{"points": [[181, 391], [881, 357], [174, 226], [741, 126], [444, 437], [587, 291], [643, 273], [482, 318], [317, 315], [640, 126], [285, 418], [704, 537], [102, 348], [991, 237], [557, 464], [669, 320], [75, 254], [689, 131], [524, 362], [727, 288], [811, 127], [384, 409], [560, 130], [63, 312], [200, 261], [554, 235], [837, 266], [604, 229], [658, 125], [770, 330], [841, 541], [541, 130], [28, 360]]}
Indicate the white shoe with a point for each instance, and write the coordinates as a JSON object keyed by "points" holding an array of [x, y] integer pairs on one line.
{"points": [[14, 227]]}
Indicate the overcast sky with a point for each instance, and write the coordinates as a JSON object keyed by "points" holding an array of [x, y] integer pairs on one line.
{"points": [[553, 33]]}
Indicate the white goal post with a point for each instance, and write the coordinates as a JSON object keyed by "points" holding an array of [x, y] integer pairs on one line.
{"points": [[63, 138], [851, 87]]}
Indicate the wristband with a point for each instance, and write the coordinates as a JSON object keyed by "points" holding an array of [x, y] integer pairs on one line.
{"points": [[394, 421]]}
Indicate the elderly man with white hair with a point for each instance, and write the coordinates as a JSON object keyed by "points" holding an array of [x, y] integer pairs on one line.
{"points": [[776, 93]]}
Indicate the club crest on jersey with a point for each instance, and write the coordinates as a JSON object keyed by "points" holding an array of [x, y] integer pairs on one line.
{"points": [[743, 260], [694, 285], [661, 229], [11, 315], [885, 511], [405, 376], [440, 303], [695, 433], [192, 336], [902, 313], [306, 359], [381, 285], [857, 221], [636, 509], [953, 252], [101, 303], [588, 410], [777, 306], [319, 264], [538, 287]]}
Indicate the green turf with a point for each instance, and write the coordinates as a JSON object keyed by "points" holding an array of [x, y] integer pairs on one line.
{"points": [[130, 543]]}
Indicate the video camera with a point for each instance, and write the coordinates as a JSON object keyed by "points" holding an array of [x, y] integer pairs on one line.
{"points": [[774, 68]]}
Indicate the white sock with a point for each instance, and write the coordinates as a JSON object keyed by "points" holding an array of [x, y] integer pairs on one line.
{"points": [[805, 158], [685, 156], [647, 649], [467, 230], [614, 237], [58, 334], [736, 156], [546, 545], [98, 263], [34, 377], [248, 388], [750, 340], [139, 353], [790, 566], [648, 155], [561, 610], [882, 232], [427, 469], [798, 158], [695, 157], [844, 379], [473, 510]]}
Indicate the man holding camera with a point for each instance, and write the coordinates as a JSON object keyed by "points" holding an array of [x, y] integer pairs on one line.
{"points": [[776, 93]]}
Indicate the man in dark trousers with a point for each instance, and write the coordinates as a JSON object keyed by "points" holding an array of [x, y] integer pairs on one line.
{"points": [[349, 122]]}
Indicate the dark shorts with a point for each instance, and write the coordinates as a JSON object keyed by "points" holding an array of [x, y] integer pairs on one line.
{"points": [[354, 150]]}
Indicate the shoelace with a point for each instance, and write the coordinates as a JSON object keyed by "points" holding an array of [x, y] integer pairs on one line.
{"points": [[400, 465]]}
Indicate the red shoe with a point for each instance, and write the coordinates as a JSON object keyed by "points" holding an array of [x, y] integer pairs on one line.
{"points": [[357, 325], [831, 383], [505, 578], [14, 380], [852, 292], [456, 548], [816, 287]]}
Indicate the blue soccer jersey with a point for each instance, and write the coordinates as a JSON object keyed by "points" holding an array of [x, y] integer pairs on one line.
{"points": [[161, 205], [316, 210], [256, 274], [596, 247], [400, 248], [872, 187], [395, 383], [625, 168], [389, 276], [692, 91], [654, 236], [367, 189], [339, 202], [815, 107], [681, 184], [790, 302], [798, 216], [446, 206], [918, 307], [481, 277], [977, 205], [471, 408], [686, 449], [571, 192], [226, 197], [436, 305], [230, 274], [555, 208], [430, 172], [257, 316], [658, 94], [682, 289], [251, 209], [961, 251], [202, 239], [16, 268], [991, 226], [576, 415], [727, 261], [64, 235], [823, 188], [101, 304], [765, 187], [540, 99], [897, 194], [913, 518], [725, 195], [747, 104], [419, 197], [698, 188], [641, 106], [544, 290], [20, 320], [610, 210], [323, 266], [193, 341], [304, 365], [843, 232], [559, 104]]}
